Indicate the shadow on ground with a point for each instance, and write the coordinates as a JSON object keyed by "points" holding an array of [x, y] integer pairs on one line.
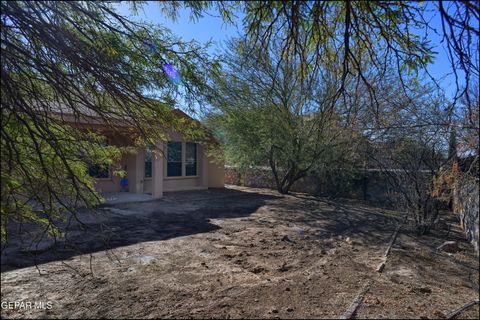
{"points": [[177, 214]]}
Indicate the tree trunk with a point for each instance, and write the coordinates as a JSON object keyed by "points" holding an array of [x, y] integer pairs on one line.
{"points": [[289, 179]]}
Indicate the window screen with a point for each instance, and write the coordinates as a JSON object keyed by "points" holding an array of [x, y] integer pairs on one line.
{"points": [[174, 159], [148, 162], [191, 159]]}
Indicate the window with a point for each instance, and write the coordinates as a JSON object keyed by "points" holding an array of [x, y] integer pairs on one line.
{"points": [[99, 171], [148, 162], [174, 159], [191, 159]]}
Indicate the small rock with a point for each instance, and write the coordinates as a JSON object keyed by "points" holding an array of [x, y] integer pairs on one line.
{"points": [[257, 269], [372, 300], [348, 240], [146, 260], [289, 309], [286, 238], [287, 289], [424, 290], [439, 314], [256, 300], [449, 246], [274, 310], [284, 267]]}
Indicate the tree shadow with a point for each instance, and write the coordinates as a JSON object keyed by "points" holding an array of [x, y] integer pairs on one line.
{"points": [[360, 221], [370, 223], [177, 214]]}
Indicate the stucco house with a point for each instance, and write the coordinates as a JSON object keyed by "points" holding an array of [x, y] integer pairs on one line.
{"points": [[175, 165]]}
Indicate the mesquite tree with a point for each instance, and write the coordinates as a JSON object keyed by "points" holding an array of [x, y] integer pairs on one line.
{"points": [[273, 118], [85, 59]]}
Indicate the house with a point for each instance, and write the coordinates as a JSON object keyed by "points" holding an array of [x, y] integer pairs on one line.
{"points": [[173, 165]]}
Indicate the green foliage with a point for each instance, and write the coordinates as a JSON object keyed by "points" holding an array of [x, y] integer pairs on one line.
{"points": [[43, 178], [67, 64], [271, 118]]}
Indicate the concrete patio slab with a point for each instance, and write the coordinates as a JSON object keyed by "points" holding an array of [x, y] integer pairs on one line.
{"points": [[113, 198]]}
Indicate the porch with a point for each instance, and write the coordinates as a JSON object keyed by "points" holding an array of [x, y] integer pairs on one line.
{"points": [[148, 173]]}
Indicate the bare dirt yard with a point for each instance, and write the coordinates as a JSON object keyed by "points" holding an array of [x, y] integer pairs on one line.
{"points": [[240, 253]]}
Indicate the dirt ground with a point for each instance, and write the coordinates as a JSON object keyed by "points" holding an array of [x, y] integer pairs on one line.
{"points": [[239, 253]]}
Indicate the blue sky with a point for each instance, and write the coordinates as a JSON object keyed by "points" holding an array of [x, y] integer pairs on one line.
{"points": [[212, 27]]}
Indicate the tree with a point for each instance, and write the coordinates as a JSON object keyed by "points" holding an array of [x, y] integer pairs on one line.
{"points": [[271, 117], [411, 152], [85, 59], [382, 33]]}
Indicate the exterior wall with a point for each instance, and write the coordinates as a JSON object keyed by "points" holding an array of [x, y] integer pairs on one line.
{"points": [[216, 175], [181, 183], [209, 174], [147, 185], [112, 183], [108, 185]]}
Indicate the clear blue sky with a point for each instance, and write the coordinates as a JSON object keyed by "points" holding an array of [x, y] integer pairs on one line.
{"points": [[212, 27]]}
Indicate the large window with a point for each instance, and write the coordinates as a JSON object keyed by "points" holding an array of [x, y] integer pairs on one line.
{"points": [[99, 171], [191, 159], [148, 162], [174, 159]]}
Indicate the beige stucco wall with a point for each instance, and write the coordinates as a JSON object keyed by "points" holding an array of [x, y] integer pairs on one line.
{"points": [[209, 174], [216, 175], [147, 185], [107, 185], [180, 184]]}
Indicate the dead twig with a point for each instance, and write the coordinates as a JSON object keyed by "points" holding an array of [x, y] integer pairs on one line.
{"points": [[463, 308], [352, 310], [390, 245]]}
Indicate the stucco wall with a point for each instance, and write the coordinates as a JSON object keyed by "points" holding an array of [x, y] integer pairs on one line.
{"points": [[214, 172], [208, 174], [216, 175], [180, 184], [112, 183]]}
